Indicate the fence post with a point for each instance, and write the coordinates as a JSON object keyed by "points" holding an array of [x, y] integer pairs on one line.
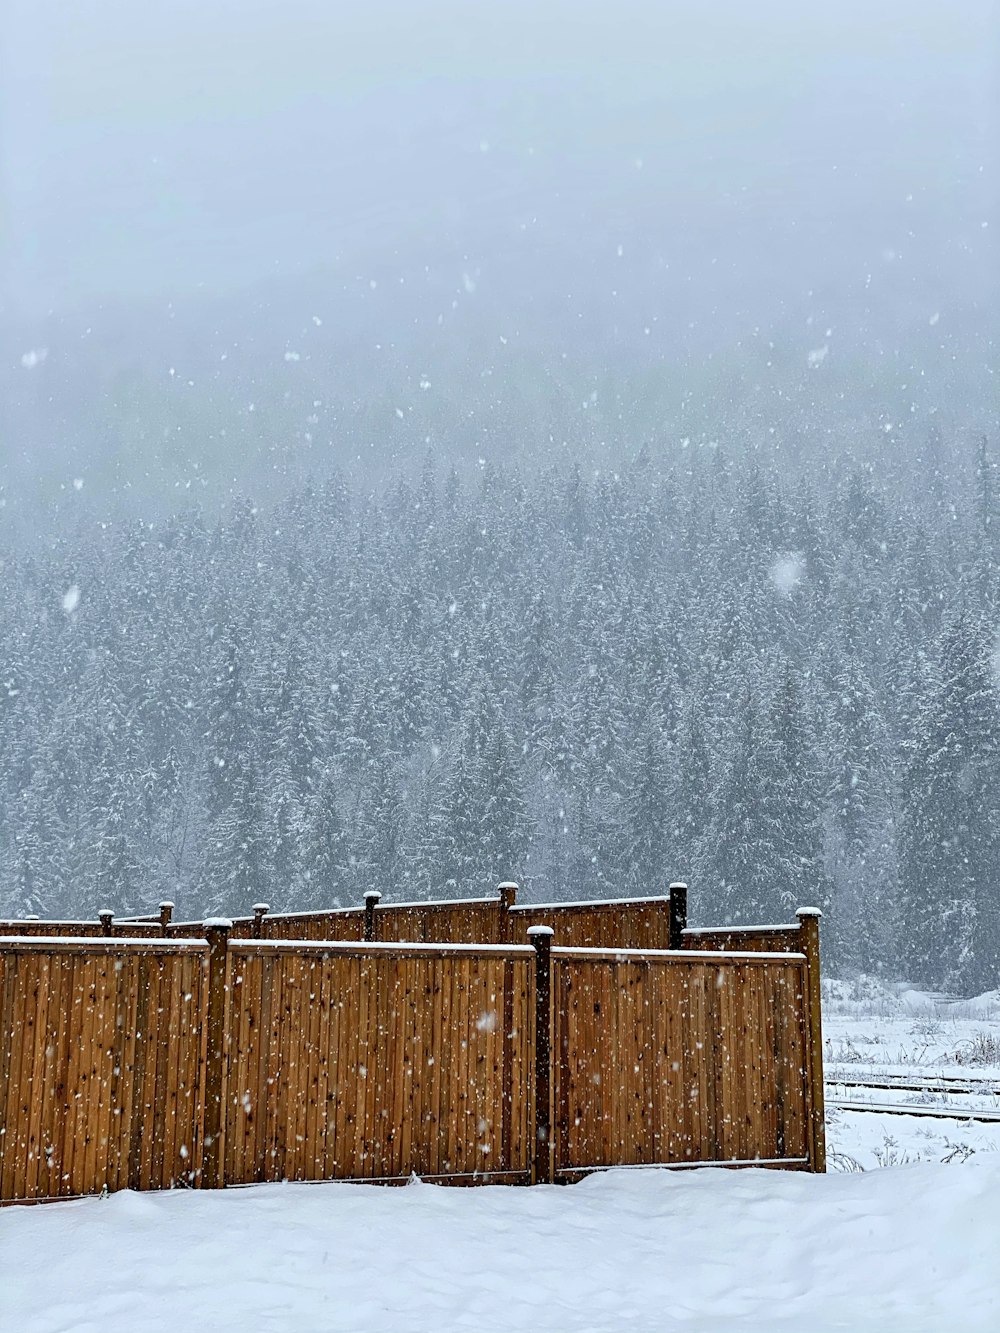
{"points": [[372, 898], [508, 893], [166, 912], [678, 914], [542, 1161], [260, 910], [104, 916], [213, 1159], [809, 918]]}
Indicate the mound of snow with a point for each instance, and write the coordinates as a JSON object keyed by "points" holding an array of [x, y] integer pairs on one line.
{"points": [[909, 1249]]}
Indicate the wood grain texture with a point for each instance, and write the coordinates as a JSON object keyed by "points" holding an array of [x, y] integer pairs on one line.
{"points": [[100, 1066], [744, 939], [679, 1059], [635, 923], [406, 1049]]}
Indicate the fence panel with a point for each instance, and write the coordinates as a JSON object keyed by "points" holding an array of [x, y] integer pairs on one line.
{"points": [[744, 939], [344, 923], [100, 1065], [629, 923], [59, 929], [679, 1059], [469, 921], [373, 1062], [80, 929], [802, 937]]}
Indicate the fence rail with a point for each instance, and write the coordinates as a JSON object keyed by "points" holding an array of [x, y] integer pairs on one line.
{"points": [[231, 1057]]}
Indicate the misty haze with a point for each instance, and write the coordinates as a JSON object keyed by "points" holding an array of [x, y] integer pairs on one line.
{"points": [[600, 363], [613, 374]]}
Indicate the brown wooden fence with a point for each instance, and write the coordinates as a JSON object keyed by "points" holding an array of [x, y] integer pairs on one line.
{"points": [[83, 929], [804, 937], [224, 1060], [637, 923]]}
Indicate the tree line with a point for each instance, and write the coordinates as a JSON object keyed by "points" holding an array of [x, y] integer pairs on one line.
{"points": [[786, 693]]}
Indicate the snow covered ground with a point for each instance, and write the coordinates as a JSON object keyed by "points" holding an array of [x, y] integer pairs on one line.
{"points": [[907, 1248], [882, 1033]]}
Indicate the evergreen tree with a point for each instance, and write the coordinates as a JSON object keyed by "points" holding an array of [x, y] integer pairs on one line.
{"points": [[795, 792], [745, 859], [950, 855], [693, 803]]}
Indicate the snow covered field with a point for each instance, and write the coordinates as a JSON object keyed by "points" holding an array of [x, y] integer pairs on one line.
{"points": [[910, 1247], [872, 1031]]}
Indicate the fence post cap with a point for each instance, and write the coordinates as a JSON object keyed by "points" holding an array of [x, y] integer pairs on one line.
{"points": [[261, 908], [678, 884], [808, 912], [105, 914], [166, 903], [372, 896], [217, 923], [507, 884], [540, 932]]}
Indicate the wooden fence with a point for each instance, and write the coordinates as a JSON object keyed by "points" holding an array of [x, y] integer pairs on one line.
{"points": [[636, 923], [153, 1062]]}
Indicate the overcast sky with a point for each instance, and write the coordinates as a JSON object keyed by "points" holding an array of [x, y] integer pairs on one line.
{"points": [[149, 150]]}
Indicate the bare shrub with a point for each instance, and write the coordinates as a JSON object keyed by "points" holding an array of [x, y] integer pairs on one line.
{"points": [[982, 1049]]}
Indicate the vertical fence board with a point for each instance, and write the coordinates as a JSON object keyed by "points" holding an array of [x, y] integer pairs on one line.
{"points": [[98, 1095], [7, 963], [74, 1148], [120, 1122], [373, 982], [355, 1068], [402, 1082], [311, 1067], [291, 1101], [13, 1022], [277, 1072], [257, 1071], [171, 1081], [58, 1107], [388, 1056], [21, 1068], [336, 1141], [157, 1066], [39, 1065], [324, 1071]]}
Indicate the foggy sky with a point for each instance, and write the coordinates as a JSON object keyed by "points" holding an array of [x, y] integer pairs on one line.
{"points": [[154, 150], [244, 242]]}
